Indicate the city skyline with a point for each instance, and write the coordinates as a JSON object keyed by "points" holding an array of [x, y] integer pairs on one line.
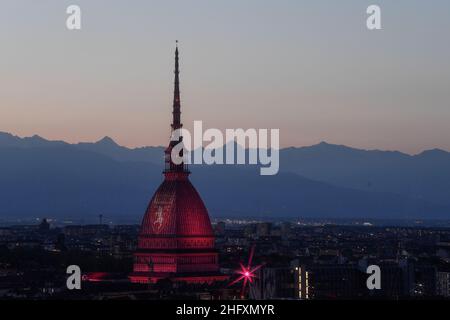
{"points": [[312, 70], [218, 158]]}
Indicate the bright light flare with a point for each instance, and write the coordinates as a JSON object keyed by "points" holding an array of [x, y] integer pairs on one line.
{"points": [[247, 273]]}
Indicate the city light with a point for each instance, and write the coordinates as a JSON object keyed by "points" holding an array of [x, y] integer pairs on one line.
{"points": [[247, 273]]}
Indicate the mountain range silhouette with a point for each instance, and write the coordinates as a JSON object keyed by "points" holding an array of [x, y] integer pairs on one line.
{"points": [[39, 178]]}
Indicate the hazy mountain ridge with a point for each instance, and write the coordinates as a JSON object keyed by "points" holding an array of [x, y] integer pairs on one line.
{"points": [[105, 146], [40, 177], [422, 176]]}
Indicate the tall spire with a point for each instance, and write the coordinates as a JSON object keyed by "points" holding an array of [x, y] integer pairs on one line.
{"points": [[173, 170], [176, 123]]}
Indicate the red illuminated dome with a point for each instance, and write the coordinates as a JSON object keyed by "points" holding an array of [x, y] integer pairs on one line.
{"points": [[176, 240], [176, 210]]}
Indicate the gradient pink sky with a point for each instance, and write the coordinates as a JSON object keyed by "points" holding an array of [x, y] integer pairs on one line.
{"points": [[309, 68]]}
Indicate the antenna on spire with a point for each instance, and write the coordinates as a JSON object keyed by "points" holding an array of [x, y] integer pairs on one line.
{"points": [[176, 124]]}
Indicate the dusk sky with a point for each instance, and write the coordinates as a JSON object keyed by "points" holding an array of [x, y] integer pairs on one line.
{"points": [[310, 68]]}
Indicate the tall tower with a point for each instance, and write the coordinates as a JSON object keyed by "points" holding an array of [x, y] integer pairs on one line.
{"points": [[176, 240]]}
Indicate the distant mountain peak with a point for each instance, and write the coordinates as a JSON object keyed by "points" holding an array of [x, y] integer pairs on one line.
{"points": [[36, 138], [329, 146], [7, 134], [7, 139], [433, 152], [107, 141]]}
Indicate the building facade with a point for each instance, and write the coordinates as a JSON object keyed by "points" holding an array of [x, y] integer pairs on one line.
{"points": [[176, 240]]}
